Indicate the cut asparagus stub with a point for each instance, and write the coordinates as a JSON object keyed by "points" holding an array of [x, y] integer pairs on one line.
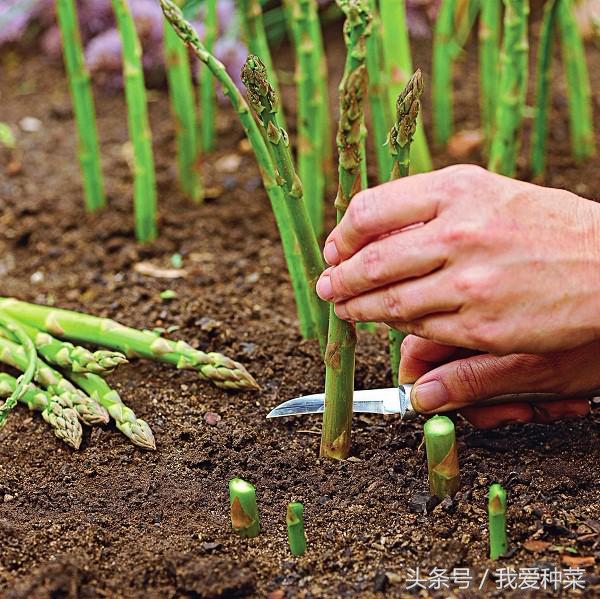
{"points": [[295, 527], [442, 457], [497, 521], [217, 368], [244, 511]]}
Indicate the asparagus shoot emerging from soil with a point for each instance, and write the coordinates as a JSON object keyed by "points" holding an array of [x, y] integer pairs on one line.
{"points": [[256, 39], [489, 51], [55, 410], [244, 511], [28, 365], [263, 99], [88, 410], [378, 103], [399, 66], [73, 357], [578, 88], [512, 89], [399, 142], [83, 105], [542, 95], [215, 367], [267, 168], [442, 72], [304, 26], [181, 93], [126, 421], [208, 100], [295, 528], [497, 521], [139, 127], [341, 341], [442, 457]]}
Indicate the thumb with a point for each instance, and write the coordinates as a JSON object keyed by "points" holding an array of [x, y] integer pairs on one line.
{"points": [[467, 381]]}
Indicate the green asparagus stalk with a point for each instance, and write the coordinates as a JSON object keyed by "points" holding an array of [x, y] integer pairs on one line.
{"points": [[219, 369], [55, 410], [489, 52], [497, 521], [399, 66], [341, 341], [380, 115], [208, 103], [28, 366], [295, 528], [442, 457], [465, 17], [578, 82], [88, 410], [139, 127], [442, 73], [543, 79], [265, 162], [263, 99], [83, 105], [311, 135], [512, 89], [183, 106], [244, 511], [125, 419], [399, 143], [76, 358], [256, 39]]}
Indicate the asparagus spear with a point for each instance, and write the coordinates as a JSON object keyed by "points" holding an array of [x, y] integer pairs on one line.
{"points": [[442, 72], [295, 526], [497, 521], [311, 133], [578, 88], [265, 162], [542, 96], [380, 116], [219, 369], [399, 142], [263, 99], [139, 127], [67, 355], [208, 106], [55, 410], [256, 39], [28, 365], [489, 50], [183, 106], [512, 88], [244, 511], [341, 341], [442, 457], [127, 422], [399, 66], [83, 105]]}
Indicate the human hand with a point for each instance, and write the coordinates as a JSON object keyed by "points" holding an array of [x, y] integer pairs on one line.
{"points": [[499, 265], [446, 375]]}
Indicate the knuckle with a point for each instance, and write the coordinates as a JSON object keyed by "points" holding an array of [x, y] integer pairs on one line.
{"points": [[394, 307], [460, 180], [462, 233], [476, 286], [372, 264], [361, 211]]}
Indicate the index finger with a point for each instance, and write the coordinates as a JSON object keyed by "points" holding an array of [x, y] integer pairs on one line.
{"points": [[381, 210]]}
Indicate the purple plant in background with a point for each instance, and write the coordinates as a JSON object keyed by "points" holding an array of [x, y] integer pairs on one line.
{"points": [[15, 15]]}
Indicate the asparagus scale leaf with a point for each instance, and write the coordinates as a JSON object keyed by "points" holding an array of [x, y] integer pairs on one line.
{"points": [[497, 521], [442, 456], [244, 511]]}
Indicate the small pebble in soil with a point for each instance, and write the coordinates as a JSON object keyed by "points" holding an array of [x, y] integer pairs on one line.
{"points": [[380, 582], [422, 503], [212, 418], [210, 546]]}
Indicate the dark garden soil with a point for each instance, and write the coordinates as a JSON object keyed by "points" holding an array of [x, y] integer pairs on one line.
{"points": [[111, 520]]}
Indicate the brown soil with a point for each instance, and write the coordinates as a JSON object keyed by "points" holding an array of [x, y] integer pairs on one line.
{"points": [[113, 521]]}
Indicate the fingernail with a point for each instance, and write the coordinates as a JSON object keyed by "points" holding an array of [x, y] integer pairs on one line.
{"points": [[430, 396], [330, 253], [324, 288]]}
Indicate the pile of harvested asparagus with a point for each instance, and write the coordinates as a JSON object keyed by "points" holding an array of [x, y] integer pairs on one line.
{"points": [[65, 382]]}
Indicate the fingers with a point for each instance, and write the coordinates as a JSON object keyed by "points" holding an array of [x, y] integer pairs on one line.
{"points": [[379, 211], [405, 254], [520, 413]]}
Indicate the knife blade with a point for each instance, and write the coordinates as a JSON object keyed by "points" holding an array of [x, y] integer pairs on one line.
{"points": [[396, 400]]}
